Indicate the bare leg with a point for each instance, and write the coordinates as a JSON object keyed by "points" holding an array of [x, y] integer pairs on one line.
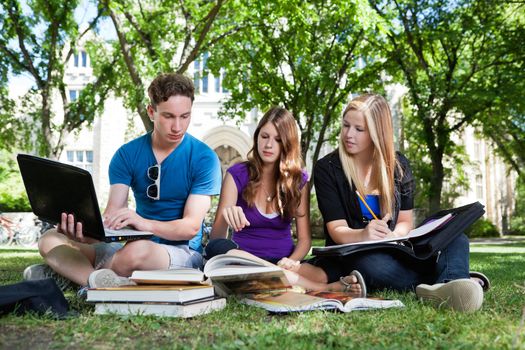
{"points": [[73, 260], [139, 255], [298, 280], [314, 283], [312, 272]]}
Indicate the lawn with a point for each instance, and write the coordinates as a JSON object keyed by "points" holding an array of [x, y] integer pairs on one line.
{"points": [[417, 326]]}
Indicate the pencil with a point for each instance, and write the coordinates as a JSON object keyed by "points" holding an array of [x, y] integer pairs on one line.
{"points": [[366, 205]]}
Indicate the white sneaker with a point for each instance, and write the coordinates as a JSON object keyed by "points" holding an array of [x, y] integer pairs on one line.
{"points": [[43, 271], [106, 278], [464, 295]]}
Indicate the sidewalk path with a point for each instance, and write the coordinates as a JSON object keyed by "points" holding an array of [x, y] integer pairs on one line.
{"points": [[505, 245]]}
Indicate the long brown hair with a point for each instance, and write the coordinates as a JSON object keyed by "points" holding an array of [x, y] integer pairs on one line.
{"points": [[378, 119], [288, 174]]}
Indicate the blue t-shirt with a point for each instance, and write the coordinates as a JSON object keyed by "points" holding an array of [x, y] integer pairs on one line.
{"points": [[192, 168]]}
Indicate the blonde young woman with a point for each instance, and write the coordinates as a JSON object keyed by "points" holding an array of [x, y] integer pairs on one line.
{"points": [[366, 169], [260, 198]]}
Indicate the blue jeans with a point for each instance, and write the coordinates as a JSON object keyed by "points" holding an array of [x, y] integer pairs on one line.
{"points": [[398, 271]]}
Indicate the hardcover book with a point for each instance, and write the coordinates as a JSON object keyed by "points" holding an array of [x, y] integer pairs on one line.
{"points": [[181, 275], [162, 309], [150, 293]]}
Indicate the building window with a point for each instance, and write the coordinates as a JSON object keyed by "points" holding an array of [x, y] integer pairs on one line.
{"points": [[84, 58], [479, 187], [75, 60], [81, 158], [477, 150], [80, 59], [73, 95], [200, 74], [218, 83]]}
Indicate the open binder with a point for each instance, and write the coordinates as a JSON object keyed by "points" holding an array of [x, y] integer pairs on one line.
{"points": [[421, 247]]}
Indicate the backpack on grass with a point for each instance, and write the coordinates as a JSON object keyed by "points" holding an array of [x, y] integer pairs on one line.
{"points": [[38, 296]]}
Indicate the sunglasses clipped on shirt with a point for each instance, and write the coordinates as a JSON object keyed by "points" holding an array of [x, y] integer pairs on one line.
{"points": [[153, 190]]}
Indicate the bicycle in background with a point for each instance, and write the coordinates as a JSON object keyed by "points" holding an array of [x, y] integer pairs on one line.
{"points": [[20, 230]]}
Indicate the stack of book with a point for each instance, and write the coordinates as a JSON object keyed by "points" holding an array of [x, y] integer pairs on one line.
{"points": [[173, 293]]}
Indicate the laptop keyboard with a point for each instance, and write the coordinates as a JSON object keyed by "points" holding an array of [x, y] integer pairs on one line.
{"points": [[125, 231]]}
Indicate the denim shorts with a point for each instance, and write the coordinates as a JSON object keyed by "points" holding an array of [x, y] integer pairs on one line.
{"points": [[104, 251]]}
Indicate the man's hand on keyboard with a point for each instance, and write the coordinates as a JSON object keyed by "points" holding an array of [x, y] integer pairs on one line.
{"points": [[123, 217]]}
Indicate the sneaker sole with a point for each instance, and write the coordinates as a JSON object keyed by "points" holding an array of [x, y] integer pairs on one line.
{"points": [[461, 295]]}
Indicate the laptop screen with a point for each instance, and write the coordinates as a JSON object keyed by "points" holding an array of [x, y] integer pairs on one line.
{"points": [[54, 188]]}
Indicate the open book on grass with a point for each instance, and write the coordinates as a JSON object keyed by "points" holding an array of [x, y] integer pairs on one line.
{"points": [[289, 301], [240, 274], [229, 273], [417, 232]]}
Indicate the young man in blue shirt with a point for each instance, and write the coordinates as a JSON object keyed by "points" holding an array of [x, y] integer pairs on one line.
{"points": [[172, 175]]}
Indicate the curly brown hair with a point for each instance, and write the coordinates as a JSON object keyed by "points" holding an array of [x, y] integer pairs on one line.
{"points": [[170, 84]]}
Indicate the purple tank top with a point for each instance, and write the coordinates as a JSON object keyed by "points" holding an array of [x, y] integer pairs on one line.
{"points": [[265, 237]]}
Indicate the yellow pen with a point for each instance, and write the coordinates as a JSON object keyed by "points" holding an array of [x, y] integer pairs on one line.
{"points": [[366, 205]]}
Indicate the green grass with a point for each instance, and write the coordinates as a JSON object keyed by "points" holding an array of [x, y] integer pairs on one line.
{"points": [[417, 326]]}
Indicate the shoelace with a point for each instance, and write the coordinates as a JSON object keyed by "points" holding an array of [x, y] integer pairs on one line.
{"points": [[62, 282]]}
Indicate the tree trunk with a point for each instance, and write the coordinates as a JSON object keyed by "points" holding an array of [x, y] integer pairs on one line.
{"points": [[436, 181]]}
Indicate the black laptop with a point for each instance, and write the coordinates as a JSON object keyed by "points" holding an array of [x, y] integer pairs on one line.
{"points": [[54, 188]]}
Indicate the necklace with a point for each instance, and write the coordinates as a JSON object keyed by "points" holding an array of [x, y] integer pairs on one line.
{"points": [[268, 197]]}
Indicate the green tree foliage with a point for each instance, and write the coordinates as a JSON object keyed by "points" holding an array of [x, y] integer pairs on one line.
{"points": [[12, 193], [504, 123], [482, 228], [36, 40], [453, 57], [305, 56], [155, 37]]}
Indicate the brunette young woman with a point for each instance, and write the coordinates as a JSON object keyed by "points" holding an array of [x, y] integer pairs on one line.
{"points": [[262, 196], [365, 191]]}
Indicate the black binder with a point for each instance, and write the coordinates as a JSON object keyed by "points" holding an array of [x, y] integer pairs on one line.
{"points": [[422, 247]]}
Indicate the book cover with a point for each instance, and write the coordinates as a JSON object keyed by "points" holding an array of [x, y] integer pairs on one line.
{"points": [[282, 302], [161, 309], [150, 293]]}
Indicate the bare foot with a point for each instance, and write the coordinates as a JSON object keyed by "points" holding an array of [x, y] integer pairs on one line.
{"points": [[348, 284]]}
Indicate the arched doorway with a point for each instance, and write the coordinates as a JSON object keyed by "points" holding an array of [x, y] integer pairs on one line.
{"points": [[230, 144], [228, 156]]}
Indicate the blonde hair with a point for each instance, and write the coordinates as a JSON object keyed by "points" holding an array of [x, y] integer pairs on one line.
{"points": [[288, 174], [378, 119]]}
